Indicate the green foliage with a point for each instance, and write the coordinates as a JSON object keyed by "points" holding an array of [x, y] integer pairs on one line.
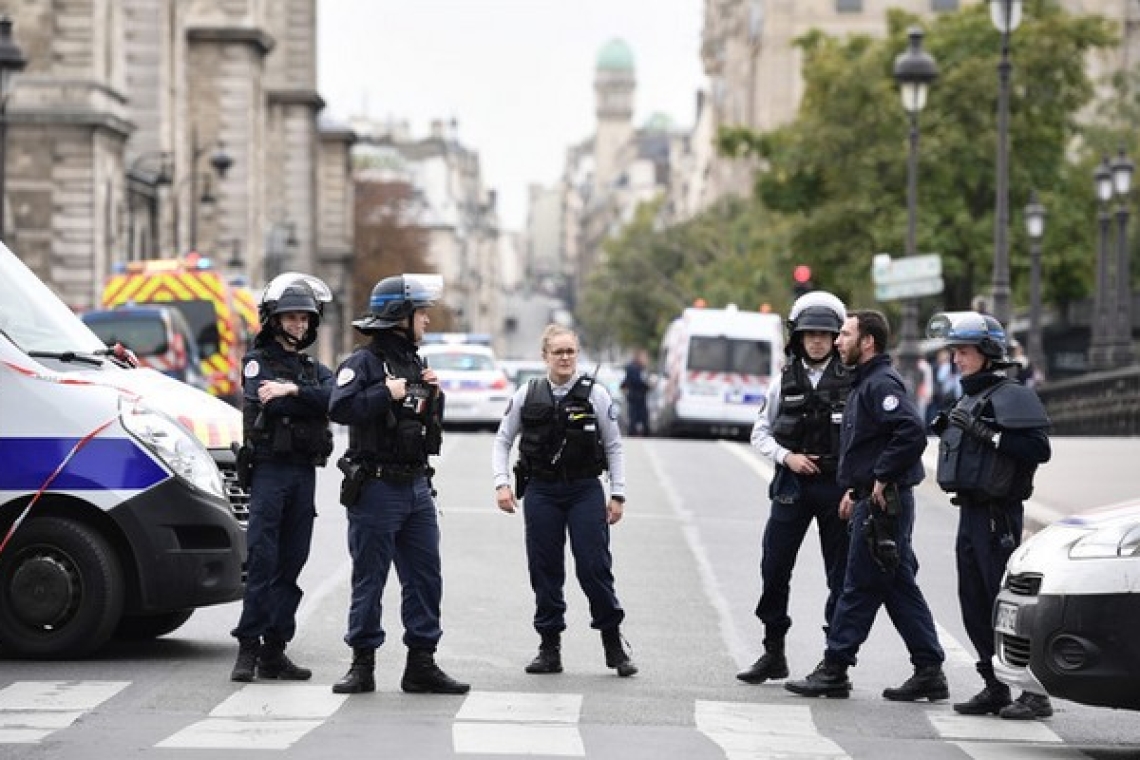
{"points": [[831, 190]]}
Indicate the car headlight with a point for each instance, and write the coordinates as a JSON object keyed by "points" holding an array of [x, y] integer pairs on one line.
{"points": [[174, 445], [1114, 541]]}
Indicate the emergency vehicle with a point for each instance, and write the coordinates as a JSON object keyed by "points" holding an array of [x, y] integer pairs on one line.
{"points": [[193, 286], [115, 518], [714, 369]]}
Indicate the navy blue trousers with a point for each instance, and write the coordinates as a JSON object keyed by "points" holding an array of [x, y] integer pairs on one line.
{"points": [[278, 536], [553, 511], [985, 541], [784, 534], [867, 588], [395, 523]]}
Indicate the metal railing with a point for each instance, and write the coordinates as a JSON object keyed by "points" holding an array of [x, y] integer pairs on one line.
{"points": [[1097, 404]]}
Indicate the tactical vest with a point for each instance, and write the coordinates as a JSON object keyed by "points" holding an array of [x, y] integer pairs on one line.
{"points": [[809, 420], [412, 430], [973, 467], [304, 439], [561, 441]]}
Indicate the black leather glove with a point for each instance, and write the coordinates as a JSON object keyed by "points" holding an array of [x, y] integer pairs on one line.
{"points": [[960, 418], [939, 424]]}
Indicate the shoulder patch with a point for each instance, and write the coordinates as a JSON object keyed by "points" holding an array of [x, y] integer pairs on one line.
{"points": [[345, 376], [252, 368], [890, 403]]}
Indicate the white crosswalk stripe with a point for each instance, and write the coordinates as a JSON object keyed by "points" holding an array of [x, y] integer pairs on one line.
{"points": [[764, 732], [516, 723], [32, 710]]}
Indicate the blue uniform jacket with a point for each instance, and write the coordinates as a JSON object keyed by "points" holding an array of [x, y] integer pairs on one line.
{"points": [[310, 401], [883, 436], [361, 396]]}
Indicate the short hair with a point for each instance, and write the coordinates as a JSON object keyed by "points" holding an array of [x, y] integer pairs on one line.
{"points": [[552, 331], [875, 324]]}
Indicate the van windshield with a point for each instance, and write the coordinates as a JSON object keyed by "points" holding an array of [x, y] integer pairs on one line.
{"points": [[720, 354], [34, 317]]}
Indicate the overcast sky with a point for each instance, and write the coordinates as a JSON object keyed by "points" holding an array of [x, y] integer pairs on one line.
{"points": [[516, 74]]}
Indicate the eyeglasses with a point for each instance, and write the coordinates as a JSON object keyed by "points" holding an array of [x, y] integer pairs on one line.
{"points": [[563, 352]]}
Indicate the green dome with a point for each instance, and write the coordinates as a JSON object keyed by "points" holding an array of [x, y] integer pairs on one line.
{"points": [[615, 55]]}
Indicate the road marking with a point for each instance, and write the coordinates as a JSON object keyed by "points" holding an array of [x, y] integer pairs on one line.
{"points": [[260, 716], [516, 723], [764, 732], [31, 710]]}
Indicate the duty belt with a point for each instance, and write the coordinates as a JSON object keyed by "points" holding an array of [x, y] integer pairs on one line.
{"points": [[399, 473]]}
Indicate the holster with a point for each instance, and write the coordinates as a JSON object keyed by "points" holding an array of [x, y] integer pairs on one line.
{"points": [[522, 478], [355, 475], [243, 456]]}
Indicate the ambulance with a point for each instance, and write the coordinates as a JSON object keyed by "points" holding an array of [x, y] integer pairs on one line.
{"points": [[714, 368], [115, 518], [193, 286]]}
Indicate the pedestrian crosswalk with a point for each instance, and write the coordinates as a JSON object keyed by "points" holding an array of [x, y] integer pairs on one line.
{"points": [[276, 716]]}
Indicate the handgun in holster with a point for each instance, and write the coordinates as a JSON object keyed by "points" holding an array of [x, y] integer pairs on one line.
{"points": [[355, 475], [881, 530], [522, 478], [243, 463]]}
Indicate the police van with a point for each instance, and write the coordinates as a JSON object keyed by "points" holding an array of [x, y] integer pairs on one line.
{"points": [[714, 369], [114, 515]]}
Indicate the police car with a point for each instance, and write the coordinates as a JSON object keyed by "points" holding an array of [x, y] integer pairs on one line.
{"points": [[1066, 618]]}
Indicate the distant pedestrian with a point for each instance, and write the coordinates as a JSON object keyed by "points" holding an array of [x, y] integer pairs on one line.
{"points": [[880, 462], [798, 429], [991, 444], [568, 436], [635, 385]]}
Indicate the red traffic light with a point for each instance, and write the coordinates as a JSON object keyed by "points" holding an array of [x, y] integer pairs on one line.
{"points": [[802, 274]]}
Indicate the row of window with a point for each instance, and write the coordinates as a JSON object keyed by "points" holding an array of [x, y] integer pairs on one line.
{"points": [[856, 6]]}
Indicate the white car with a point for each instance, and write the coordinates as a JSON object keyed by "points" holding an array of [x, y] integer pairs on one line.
{"points": [[1066, 618], [477, 390]]}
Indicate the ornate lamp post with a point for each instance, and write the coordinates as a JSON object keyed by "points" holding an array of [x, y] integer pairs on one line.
{"points": [[12, 60], [1103, 297], [1122, 350], [914, 71], [221, 162], [1035, 227], [1006, 16]]}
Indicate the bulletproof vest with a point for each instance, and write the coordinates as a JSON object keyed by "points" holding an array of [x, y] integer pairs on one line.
{"points": [[809, 419], [561, 440], [973, 467], [304, 439], [412, 429]]}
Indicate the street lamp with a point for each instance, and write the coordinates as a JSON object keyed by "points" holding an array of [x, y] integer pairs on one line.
{"points": [[12, 60], [914, 71], [221, 162], [1006, 16], [1103, 296], [1035, 227], [1122, 352], [143, 183]]}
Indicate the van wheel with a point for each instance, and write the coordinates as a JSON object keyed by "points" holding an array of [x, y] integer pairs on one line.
{"points": [[61, 590], [142, 627]]}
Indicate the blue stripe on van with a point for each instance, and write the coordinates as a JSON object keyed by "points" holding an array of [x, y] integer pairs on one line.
{"points": [[102, 464]]}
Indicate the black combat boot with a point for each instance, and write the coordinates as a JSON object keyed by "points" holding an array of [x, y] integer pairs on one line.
{"points": [[617, 654], [772, 665], [989, 700], [1028, 706], [829, 679], [549, 657], [423, 676], [248, 650], [273, 664], [361, 676], [928, 682]]}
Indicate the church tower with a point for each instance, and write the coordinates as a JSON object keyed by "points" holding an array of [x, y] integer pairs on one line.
{"points": [[614, 85]]}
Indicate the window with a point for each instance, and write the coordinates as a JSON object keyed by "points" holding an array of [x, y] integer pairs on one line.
{"points": [[849, 6]]}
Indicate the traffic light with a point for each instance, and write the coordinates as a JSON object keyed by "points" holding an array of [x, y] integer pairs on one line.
{"points": [[801, 280]]}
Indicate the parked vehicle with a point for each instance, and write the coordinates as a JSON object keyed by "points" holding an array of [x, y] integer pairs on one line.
{"points": [[1066, 618], [193, 286], [158, 335], [477, 389], [114, 516], [714, 368], [519, 371]]}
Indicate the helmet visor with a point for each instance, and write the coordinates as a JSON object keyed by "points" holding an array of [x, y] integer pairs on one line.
{"points": [[423, 290], [958, 327], [282, 281]]}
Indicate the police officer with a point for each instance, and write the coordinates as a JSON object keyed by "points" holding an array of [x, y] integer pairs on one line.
{"points": [[569, 436], [880, 462], [287, 436], [393, 406], [799, 431], [991, 443]]}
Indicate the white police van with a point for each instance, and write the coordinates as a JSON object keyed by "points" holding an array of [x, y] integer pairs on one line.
{"points": [[114, 516]]}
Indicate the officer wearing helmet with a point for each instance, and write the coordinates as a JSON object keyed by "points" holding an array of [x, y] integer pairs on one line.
{"points": [[286, 433], [991, 443], [393, 406], [798, 429]]}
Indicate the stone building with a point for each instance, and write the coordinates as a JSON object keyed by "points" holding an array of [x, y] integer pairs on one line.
{"points": [[147, 128]]}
